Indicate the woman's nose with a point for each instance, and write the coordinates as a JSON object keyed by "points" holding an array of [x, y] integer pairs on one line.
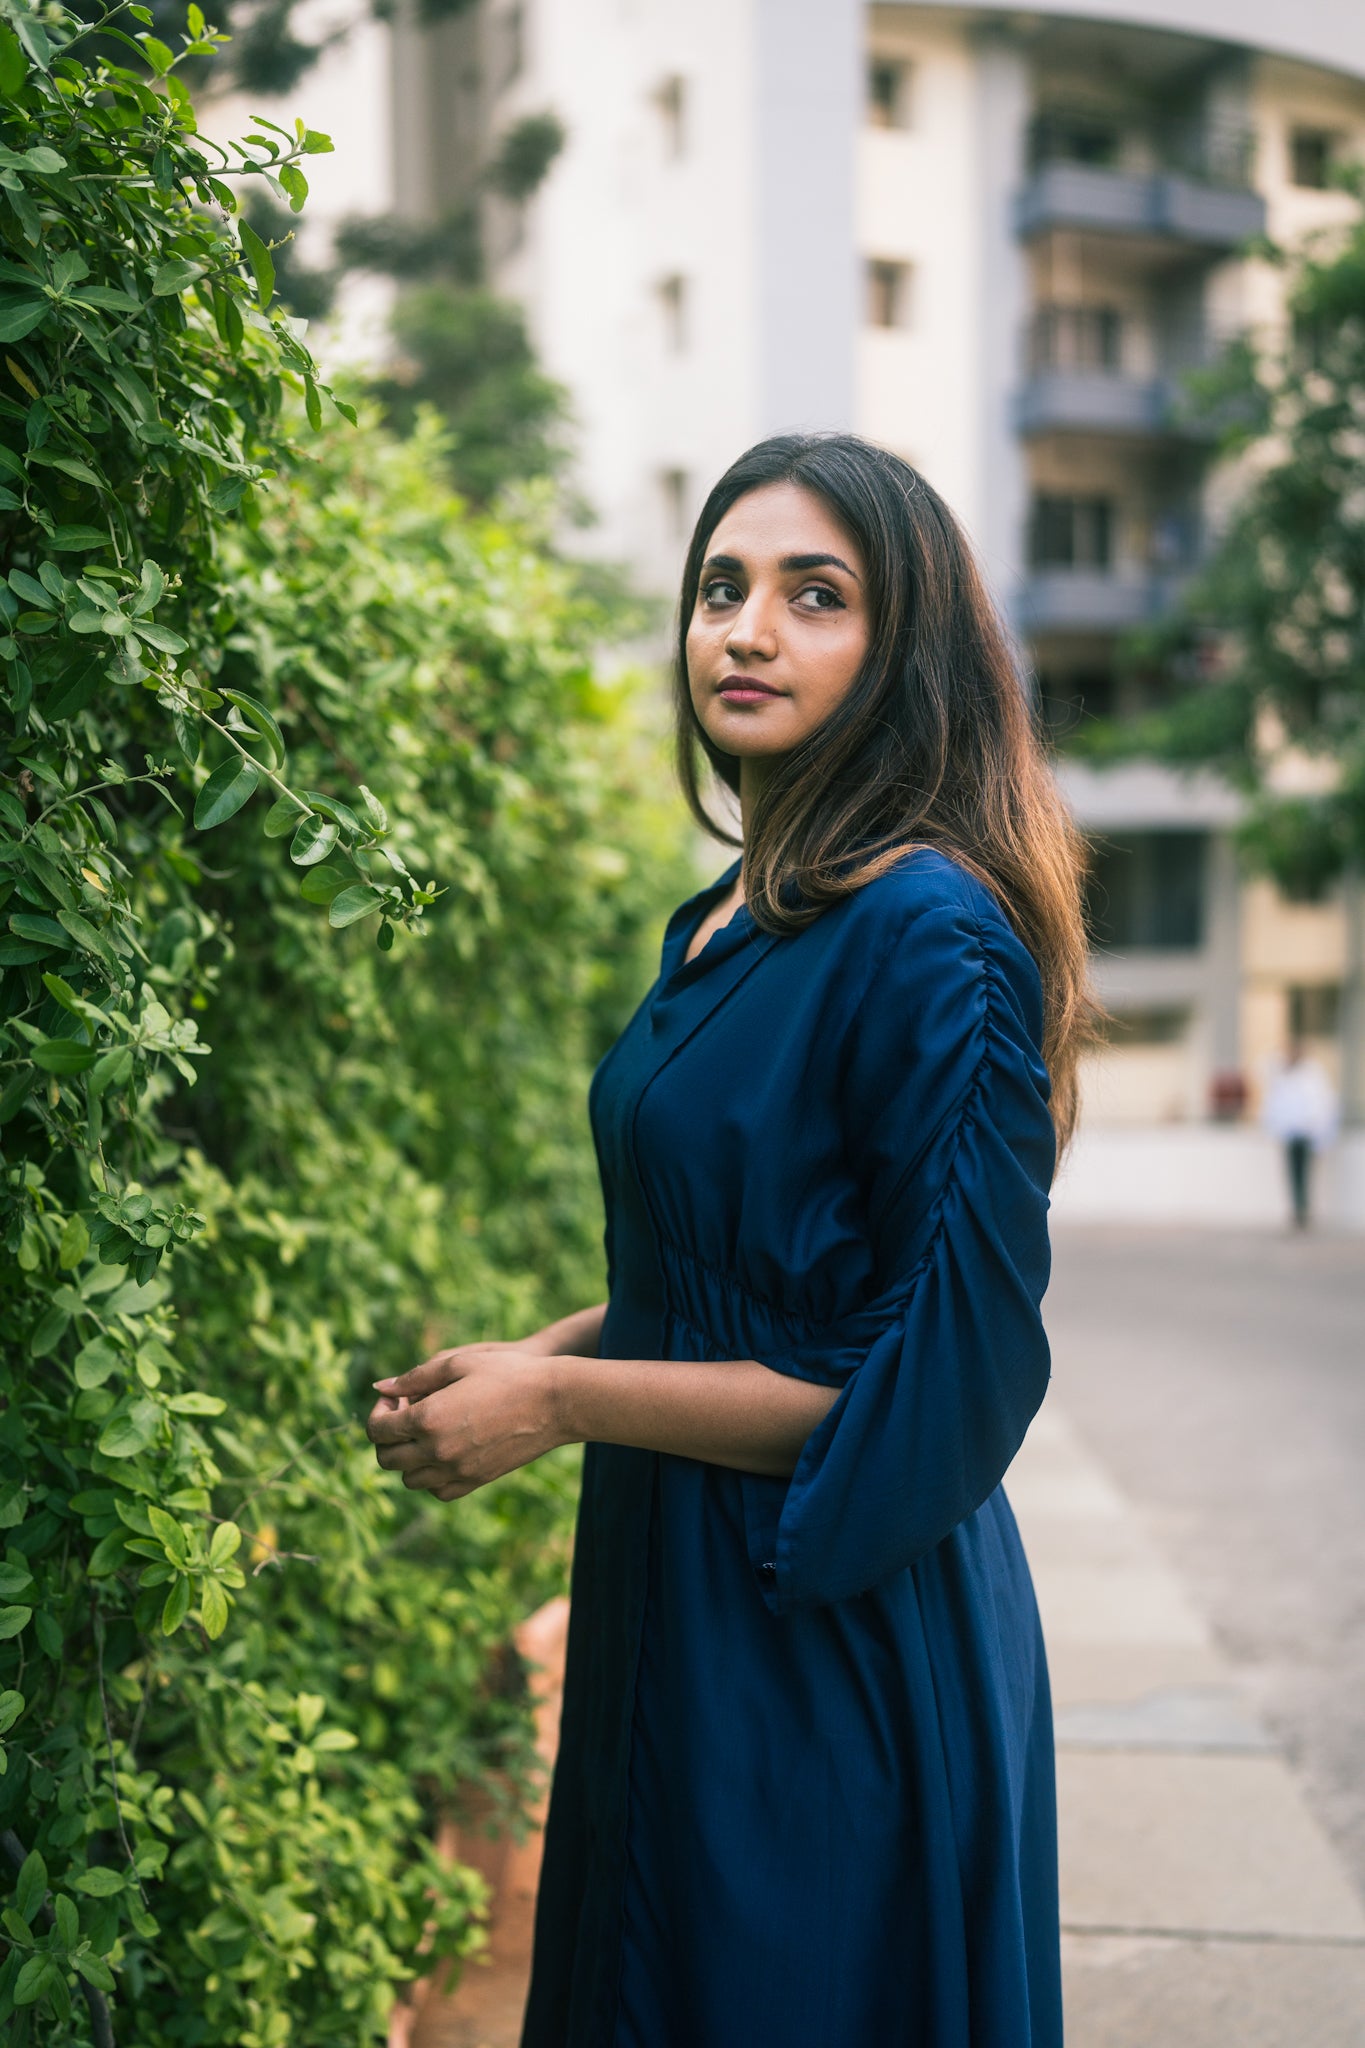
{"points": [[752, 632]]}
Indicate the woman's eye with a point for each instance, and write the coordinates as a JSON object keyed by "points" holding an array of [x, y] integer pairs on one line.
{"points": [[719, 591], [818, 597]]}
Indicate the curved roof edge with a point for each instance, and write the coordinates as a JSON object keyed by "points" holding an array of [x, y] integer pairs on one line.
{"points": [[1329, 33]]}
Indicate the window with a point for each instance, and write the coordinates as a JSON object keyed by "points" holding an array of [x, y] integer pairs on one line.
{"points": [[1148, 892], [1084, 338], [673, 307], [1071, 533], [1075, 136], [1147, 1027], [888, 93], [888, 293], [673, 484], [671, 100], [1315, 1012], [1311, 155], [1067, 701]]}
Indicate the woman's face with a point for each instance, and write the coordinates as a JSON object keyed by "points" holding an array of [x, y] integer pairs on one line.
{"points": [[780, 626]]}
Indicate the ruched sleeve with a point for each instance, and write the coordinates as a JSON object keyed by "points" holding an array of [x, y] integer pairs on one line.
{"points": [[944, 1108]]}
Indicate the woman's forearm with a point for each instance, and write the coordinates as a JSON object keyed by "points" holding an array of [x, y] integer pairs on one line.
{"points": [[735, 1412], [579, 1333]]}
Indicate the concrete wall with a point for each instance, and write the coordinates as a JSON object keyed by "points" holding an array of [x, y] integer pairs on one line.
{"points": [[1202, 1174]]}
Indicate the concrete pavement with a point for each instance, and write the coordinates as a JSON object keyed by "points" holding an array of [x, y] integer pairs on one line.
{"points": [[1202, 1906]]}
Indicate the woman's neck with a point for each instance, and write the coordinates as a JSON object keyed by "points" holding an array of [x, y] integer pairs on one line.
{"points": [[752, 776]]}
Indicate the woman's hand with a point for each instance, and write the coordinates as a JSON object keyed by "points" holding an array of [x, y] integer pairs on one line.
{"points": [[464, 1417]]}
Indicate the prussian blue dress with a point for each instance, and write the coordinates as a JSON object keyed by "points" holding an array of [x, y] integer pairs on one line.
{"points": [[804, 1796]]}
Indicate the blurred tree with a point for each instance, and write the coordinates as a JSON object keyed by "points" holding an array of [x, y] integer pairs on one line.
{"points": [[467, 354], [1263, 664]]}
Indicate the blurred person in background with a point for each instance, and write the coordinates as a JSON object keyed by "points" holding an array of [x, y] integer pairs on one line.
{"points": [[1300, 1109], [805, 1790]]}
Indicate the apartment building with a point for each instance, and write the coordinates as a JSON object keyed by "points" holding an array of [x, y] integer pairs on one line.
{"points": [[996, 241]]}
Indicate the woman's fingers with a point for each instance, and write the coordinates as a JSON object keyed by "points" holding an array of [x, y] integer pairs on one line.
{"points": [[434, 1372], [390, 1424]]}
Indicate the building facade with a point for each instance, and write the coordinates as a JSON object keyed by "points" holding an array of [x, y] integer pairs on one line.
{"points": [[996, 242]]}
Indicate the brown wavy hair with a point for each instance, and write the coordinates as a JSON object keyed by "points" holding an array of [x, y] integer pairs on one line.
{"points": [[935, 744]]}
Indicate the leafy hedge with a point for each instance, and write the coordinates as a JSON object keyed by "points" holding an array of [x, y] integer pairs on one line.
{"points": [[239, 1671]]}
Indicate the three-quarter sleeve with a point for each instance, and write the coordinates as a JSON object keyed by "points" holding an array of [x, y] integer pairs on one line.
{"points": [[943, 1099]]}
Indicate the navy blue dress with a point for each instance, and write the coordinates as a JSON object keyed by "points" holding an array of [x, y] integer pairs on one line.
{"points": [[805, 1791]]}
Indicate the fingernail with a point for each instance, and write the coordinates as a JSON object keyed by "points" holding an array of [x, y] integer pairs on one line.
{"points": [[381, 1386]]}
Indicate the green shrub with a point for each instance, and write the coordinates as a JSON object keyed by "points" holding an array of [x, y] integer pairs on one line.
{"points": [[240, 1671]]}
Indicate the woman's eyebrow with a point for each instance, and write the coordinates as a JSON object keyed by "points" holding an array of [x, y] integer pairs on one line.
{"points": [[794, 563], [789, 565]]}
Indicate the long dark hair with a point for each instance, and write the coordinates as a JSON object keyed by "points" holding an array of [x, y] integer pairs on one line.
{"points": [[934, 744]]}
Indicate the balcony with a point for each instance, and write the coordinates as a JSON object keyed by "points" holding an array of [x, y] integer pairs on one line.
{"points": [[1167, 206], [1094, 600], [1058, 401]]}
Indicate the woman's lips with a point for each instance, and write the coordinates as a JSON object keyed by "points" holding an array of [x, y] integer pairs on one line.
{"points": [[744, 690]]}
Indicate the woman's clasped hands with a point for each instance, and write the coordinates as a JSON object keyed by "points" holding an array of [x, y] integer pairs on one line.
{"points": [[465, 1417]]}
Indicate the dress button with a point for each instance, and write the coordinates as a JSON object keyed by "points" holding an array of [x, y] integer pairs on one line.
{"points": [[767, 1570]]}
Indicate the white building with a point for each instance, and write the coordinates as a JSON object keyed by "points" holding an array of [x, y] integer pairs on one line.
{"points": [[993, 240]]}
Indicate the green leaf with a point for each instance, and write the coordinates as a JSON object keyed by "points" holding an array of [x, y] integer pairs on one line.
{"points": [[64, 1056], [373, 809], [312, 404], [30, 1887], [43, 931], [29, 588], [95, 1971], [295, 184], [12, 1620], [19, 317], [261, 720], [11, 1707], [111, 1070], [177, 1604], [213, 1608], [108, 1554], [196, 1404], [68, 1920], [97, 1883], [95, 1361], [38, 1977], [169, 1534], [75, 1241], [159, 636], [49, 1333], [78, 540], [335, 1738], [313, 841], [353, 904], [315, 143], [13, 69], [128, 1432], [157, 55], [258, 256], [283, 816], [226, 790], [47, 162], [225, 1543], [320, 885], [175, 275]]}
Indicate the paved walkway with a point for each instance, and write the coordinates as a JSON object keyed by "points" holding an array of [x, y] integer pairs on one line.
{"points": [[1202, 1907]]}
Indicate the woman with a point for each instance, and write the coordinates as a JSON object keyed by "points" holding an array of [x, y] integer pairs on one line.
{"points": [[805, 1785]]}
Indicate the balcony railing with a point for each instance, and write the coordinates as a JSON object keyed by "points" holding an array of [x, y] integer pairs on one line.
{"points": [[1100, 402], [1095, 600], [1164, 205]]}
